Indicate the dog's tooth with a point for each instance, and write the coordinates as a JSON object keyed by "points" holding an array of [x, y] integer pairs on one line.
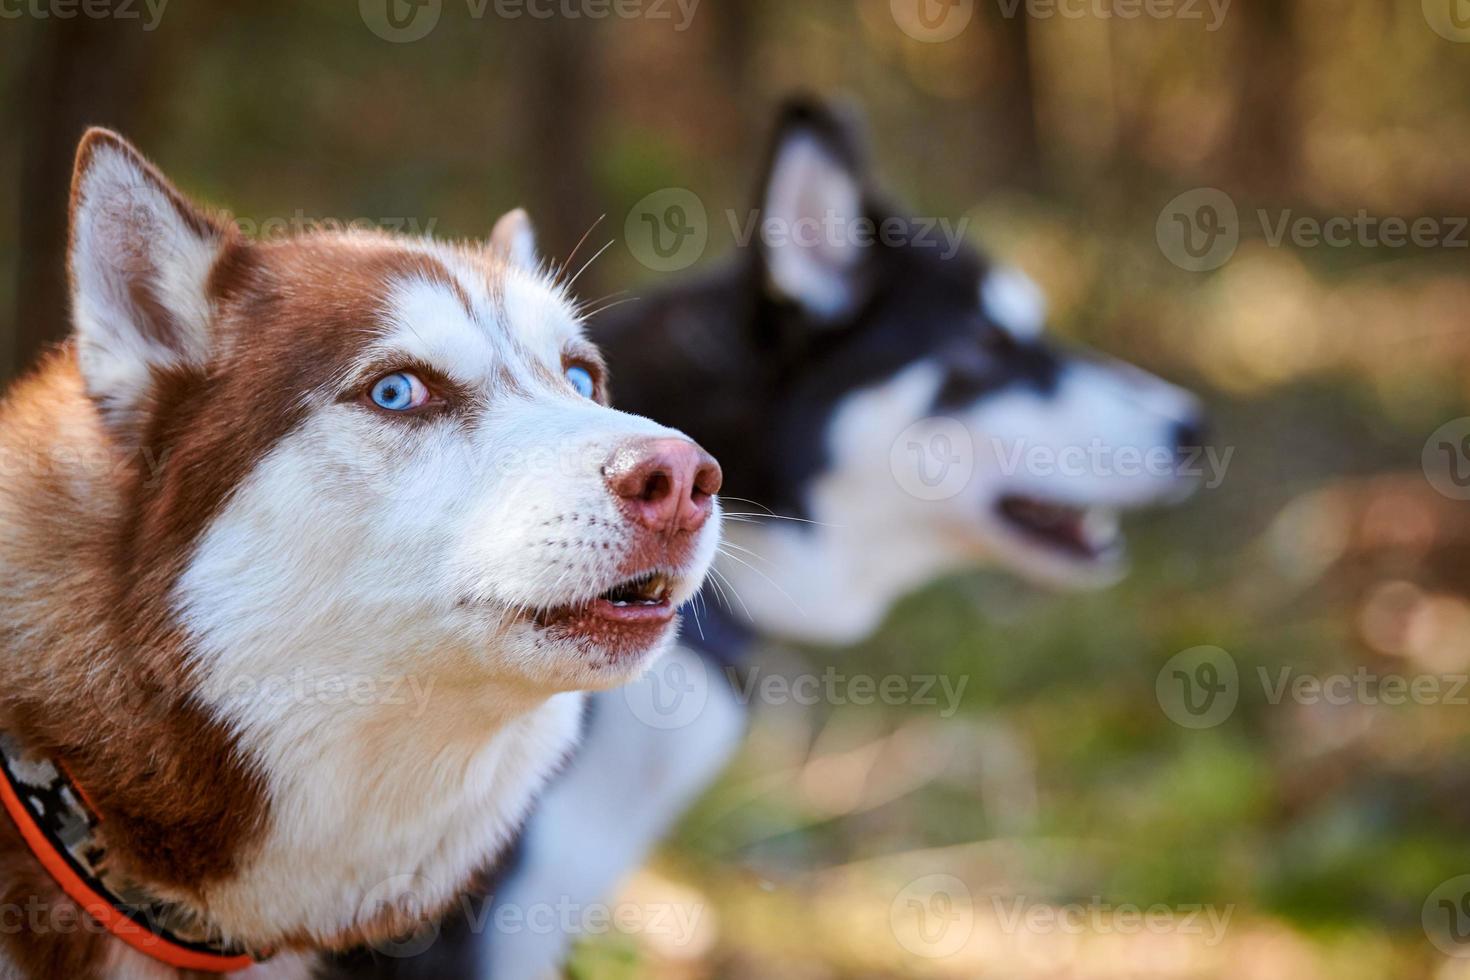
{"points": [[1100, 527]]}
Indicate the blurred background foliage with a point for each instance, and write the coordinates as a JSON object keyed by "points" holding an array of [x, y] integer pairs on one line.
{"points": [[1323, 827]]}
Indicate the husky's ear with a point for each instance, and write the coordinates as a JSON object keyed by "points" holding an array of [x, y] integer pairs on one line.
{"points": [[514, 238], [811, 240], [140, 256]]}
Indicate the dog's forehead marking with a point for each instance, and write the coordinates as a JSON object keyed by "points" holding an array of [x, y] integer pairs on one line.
{"points": [[487, 321], [1013, 302]]}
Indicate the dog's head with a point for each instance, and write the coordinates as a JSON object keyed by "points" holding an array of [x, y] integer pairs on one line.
{"points": [[910, 404], [371, 454]]}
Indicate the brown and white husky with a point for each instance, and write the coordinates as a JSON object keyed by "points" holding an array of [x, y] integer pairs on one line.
{"points": [[307, 550]]}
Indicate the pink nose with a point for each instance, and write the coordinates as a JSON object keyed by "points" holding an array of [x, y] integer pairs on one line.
{"points": [[664, 484]]}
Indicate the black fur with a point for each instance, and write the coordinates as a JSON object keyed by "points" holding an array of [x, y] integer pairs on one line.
{"points": [[754, 377]]}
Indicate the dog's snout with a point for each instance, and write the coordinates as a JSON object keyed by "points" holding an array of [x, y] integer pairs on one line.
{"points": [[664, 484], [1191, 434]]}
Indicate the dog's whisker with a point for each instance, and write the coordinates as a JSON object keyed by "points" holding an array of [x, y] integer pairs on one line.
{"points": [[586, 265], [735, 558], [580, 242], [603, 309], [747, 500], [720, 592], [747, 551], [583, 307], [698, 626], [757, 518], [733, 591]]}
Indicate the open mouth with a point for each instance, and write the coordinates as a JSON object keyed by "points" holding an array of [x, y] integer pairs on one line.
{"points": [[634, 598], [628, 617], [1080, 533]]}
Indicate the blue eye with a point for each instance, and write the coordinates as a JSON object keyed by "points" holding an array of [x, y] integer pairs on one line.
{"points": [[581, 379], [399, 392]]}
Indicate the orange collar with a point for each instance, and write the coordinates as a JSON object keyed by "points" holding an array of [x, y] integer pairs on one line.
{"points": [[59, 825]]}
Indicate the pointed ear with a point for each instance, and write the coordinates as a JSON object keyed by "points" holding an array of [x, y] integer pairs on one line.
{"points": [[515, 239], [140, 256], [812, 206]]}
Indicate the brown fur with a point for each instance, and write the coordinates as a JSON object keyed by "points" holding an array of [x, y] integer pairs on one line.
{"points": [[97, 522]]}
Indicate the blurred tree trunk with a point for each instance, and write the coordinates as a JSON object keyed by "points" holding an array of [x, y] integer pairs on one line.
{"points": [[1262, 153], [82, 71], [736, 24], [1013, 104], [556, 130]]}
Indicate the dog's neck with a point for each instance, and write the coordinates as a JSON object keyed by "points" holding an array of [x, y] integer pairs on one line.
{"points": [[378, 819], [324, 820]]}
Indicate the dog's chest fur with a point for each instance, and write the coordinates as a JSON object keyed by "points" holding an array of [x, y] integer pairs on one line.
{"points": [[283, 829]]}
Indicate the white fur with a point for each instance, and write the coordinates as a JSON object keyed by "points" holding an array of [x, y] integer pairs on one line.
{"points": [[811, 204], [392, 559], [514, 238], [1014, 303], [603, 816], [126, 229], [872, 542]]}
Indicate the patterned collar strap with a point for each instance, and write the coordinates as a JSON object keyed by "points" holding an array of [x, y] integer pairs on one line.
{"points": [[59, 826]]}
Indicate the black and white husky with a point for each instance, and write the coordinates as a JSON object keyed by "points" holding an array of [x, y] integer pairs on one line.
{"points": [[899, 399]]}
